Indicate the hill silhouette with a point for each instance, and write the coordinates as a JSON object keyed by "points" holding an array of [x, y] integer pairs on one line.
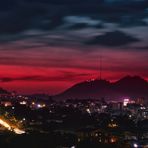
{"points": [[128, 86]]}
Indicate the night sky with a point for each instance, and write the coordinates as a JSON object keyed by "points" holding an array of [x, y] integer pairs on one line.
{"points": [[47, 46]]}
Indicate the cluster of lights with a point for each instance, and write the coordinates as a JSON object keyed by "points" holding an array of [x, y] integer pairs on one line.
{"points": [[41, 105], [112, 125], [10, 128], [125, 102], [38, 105], [5, 124], [23, 103]]}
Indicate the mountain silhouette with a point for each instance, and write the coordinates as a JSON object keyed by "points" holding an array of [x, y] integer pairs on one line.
{"points": [[128, 86]]}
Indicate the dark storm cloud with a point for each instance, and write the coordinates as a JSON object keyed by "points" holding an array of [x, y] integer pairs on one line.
{"points": [[15, 20], [113, 39], [132, 22], [18, 16], [79, 26], [28, 15]]}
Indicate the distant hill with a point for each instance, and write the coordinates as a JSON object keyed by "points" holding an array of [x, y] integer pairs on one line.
{"points": [[3, 91], [39, 97], [126, 87]]}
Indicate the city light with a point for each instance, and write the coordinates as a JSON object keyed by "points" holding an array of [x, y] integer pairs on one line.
{"points": [[135, 145], [5, 124], [41, 105], [125, 102], [113, 140], [112, 125], [18, 131], [88, 110], [10, 128], [23, 103]]}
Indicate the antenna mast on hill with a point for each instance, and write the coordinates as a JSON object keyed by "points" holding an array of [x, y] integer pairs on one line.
{"points": [[100, 67]]}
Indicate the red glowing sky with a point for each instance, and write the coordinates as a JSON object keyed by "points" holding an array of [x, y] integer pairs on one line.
{"points": [[52, 70], [47, 50]]}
